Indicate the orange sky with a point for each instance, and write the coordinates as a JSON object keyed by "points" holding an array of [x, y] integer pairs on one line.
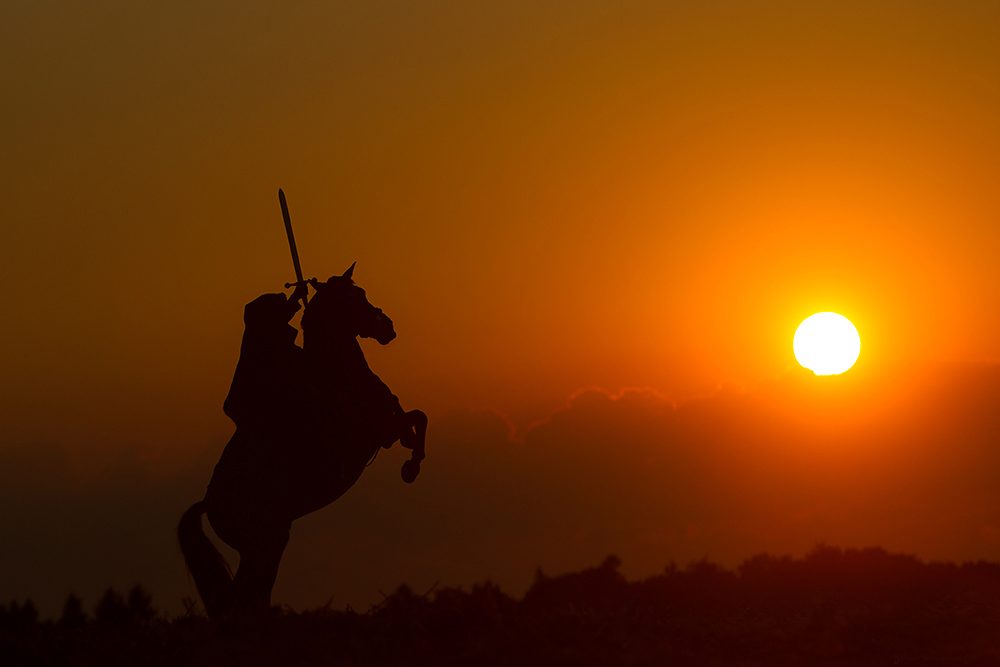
{"points": [[543, 196]]}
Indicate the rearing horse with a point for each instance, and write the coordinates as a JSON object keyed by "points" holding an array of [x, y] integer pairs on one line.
{"points": [[308, 421]]}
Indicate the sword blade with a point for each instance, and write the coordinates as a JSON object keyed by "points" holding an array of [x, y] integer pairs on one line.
{"points": [[291, 236]]}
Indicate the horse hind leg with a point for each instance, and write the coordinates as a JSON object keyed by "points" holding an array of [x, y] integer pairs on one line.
{"points": [[258, 571]]}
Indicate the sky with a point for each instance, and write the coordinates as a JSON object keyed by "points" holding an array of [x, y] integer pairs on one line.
{"points": [[596, 227]]}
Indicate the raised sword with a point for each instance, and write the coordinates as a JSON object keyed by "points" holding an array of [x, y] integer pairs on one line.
{"points": [[291, 245]]}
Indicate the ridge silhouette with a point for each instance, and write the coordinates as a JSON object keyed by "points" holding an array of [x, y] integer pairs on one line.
{"points": [[845, 607], [308, 421]]}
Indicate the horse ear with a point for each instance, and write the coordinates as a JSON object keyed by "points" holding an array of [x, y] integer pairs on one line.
{"points": [[349, 272]]}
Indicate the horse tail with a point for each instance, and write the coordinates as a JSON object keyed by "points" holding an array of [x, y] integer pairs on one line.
{"points": [[212, 576]]}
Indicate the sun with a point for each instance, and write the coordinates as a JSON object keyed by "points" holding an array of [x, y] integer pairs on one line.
{"points": [[826, 343]]}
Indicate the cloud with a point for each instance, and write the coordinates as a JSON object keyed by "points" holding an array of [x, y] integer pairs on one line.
{"points": [[910, 464], [906, 463]]}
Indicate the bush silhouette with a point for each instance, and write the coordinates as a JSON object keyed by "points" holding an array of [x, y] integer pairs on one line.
{"points": [[111, 609], [834, 606], [73, 617], [18, 616], [140, 605], [598, 589]]}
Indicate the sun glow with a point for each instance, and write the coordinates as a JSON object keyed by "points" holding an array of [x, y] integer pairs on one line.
{"points": [[826, 343]]}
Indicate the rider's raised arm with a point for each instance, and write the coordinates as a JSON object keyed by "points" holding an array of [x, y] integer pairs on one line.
{"points": [[300, 292]]}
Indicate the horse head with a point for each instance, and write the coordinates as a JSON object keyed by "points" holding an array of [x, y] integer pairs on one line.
{"points": [[341, 307]]}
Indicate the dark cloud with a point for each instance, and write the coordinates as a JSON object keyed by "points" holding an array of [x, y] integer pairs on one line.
{"points": [[909, 465]]}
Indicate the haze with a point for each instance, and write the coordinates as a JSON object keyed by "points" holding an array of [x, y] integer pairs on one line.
{"points": [[545, 197]]}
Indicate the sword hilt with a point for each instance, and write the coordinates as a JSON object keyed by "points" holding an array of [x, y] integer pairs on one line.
{"points": [[311, 281], [304, 297]]}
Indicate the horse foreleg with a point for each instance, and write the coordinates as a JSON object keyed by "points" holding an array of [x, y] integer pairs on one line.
{"points": [[415, 433], [414, 430]]}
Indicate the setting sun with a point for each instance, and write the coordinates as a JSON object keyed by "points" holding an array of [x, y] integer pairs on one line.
{"points": [[826, 343]]}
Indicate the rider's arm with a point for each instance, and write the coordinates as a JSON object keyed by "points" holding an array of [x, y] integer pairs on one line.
{"points": [[301, 291]]}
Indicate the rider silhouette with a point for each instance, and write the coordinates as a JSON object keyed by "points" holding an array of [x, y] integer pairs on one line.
{"points": [[268, 383]]}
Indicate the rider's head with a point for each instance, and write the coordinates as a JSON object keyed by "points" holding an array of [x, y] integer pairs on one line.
{"points": [[340, 308]]}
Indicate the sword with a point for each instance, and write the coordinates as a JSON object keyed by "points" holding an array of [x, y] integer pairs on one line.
{"points": [[291, 244]]}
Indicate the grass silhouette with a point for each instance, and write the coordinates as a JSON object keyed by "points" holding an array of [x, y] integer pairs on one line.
{"points": [[832, 607]]}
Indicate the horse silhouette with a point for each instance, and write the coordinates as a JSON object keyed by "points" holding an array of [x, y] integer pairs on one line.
{"points": [[308, 421]]}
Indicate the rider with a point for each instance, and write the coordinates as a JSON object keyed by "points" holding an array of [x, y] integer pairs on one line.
{"points": [[267, 383]]}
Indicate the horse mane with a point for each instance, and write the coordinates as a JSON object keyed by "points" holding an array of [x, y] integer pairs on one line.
{"points": [[321, 288]]}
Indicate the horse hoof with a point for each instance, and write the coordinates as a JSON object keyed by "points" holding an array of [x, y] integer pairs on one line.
{"points": [[409, 471]]}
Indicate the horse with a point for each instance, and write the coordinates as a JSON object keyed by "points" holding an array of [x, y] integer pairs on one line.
{"points": [[308, 422]]}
